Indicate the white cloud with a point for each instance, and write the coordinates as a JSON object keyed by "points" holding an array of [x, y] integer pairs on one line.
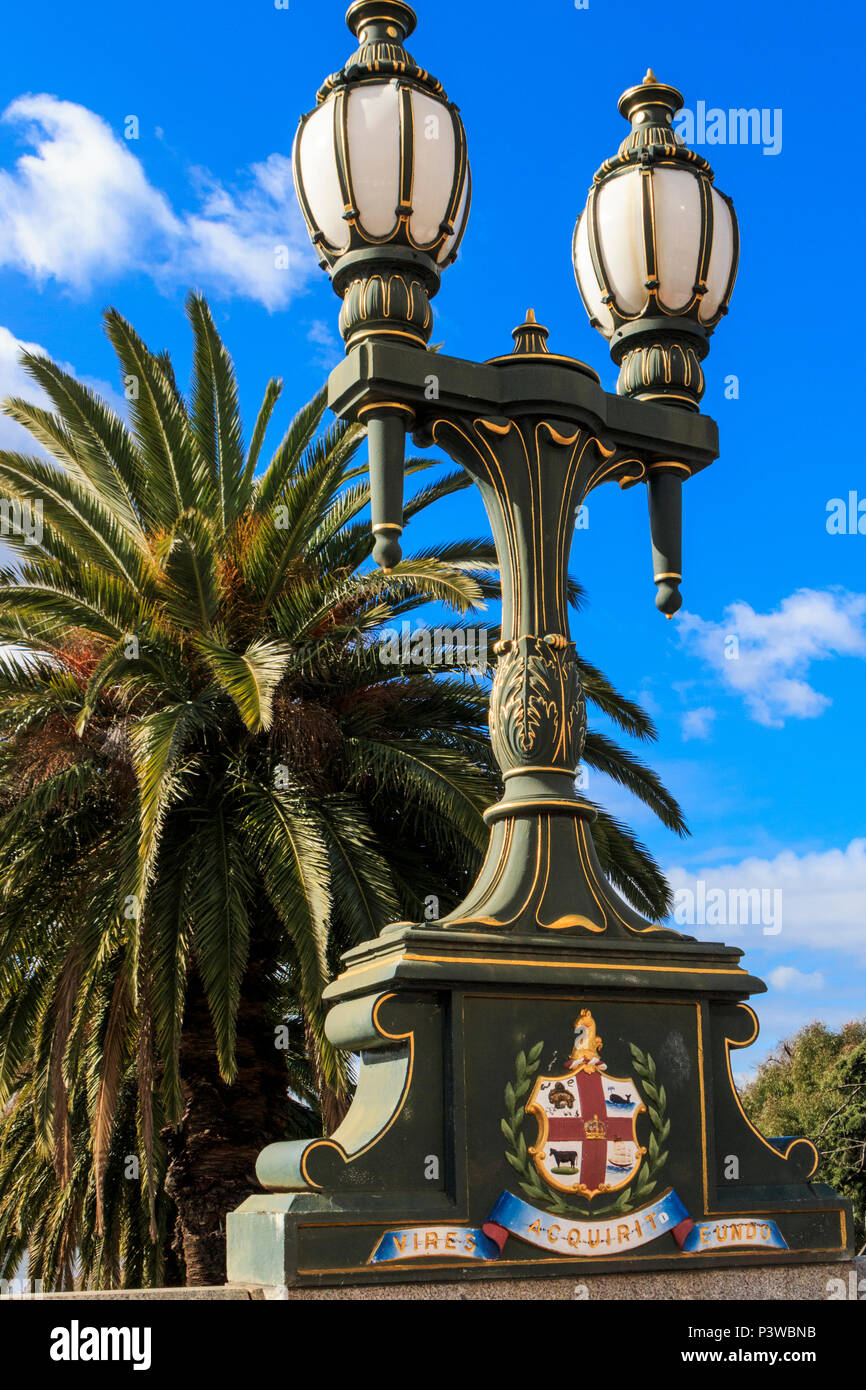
{"points": [[15, 381], [647, 699], [698, 723], [765, 657], [251, 243], [821, 897], [320, 332], [790, 978], [79, 204], [80, 209], [328, 346]]}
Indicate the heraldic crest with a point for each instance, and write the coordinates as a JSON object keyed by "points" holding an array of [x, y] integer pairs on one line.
{"points": [[587, 1145]]}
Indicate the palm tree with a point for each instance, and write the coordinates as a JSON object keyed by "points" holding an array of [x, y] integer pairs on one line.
{"points": [[211, 786]]}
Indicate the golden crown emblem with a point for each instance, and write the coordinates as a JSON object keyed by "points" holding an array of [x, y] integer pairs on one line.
{"points": [[594, 1129]]}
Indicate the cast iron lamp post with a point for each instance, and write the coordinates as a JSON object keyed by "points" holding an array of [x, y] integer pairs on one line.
{"points": [[383, 178], [437, 1011]]}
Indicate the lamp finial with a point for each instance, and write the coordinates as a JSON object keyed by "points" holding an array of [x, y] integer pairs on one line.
{"points": [[382, 20], [529, 337], [650, 103]]}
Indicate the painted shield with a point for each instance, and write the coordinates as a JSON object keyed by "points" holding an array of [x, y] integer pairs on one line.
{"points": [[587, 1131]]}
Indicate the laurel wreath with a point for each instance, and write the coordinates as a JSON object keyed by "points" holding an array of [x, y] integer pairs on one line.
{"points": [[517, 1153]]}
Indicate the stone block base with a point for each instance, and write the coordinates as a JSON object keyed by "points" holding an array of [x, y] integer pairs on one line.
{"points": [[780, 1283]]}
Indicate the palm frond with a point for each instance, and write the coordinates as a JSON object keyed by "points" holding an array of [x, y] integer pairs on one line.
{"points": [[216, 417], [249, 678], [272, 394]]}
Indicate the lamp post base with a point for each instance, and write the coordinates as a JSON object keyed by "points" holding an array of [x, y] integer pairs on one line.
{"points": [[528, 1107]]}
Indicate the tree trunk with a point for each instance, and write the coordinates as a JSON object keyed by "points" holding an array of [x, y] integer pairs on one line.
{"points": [[334, 1104], [334, 1107], [212, 1154]]}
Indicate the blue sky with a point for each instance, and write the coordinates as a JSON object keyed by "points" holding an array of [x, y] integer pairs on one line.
{"points": [[766, 752]]}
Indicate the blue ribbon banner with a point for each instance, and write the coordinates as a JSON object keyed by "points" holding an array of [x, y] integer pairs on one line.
{"points": [[614, 1236]]}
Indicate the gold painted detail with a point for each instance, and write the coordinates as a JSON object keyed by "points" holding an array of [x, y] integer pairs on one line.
{"points": [[663, 466], [530, 902], [665, 396], [731, 1042], [658, 366], [530, 337], [542, 805], [364, 333], [586, 1053], [384, 405], [566, 440], [349, 1155], [528, 771], [537, 707], [497, 427], [696, 970], [372, 302]]}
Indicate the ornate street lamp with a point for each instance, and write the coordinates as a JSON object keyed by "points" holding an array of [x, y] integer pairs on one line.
{"points": [[655, 256], [655, 253], [454, 1019], [383, 180]]}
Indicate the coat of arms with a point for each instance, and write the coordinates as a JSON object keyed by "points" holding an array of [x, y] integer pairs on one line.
{"points": [[587, 1142], [587, 1132]]}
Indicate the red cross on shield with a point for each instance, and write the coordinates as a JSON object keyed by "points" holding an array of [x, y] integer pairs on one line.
{"points": [[587, 1131]]}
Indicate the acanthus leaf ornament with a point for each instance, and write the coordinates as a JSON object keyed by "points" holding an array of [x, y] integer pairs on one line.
{"points": [[537, 707]]}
